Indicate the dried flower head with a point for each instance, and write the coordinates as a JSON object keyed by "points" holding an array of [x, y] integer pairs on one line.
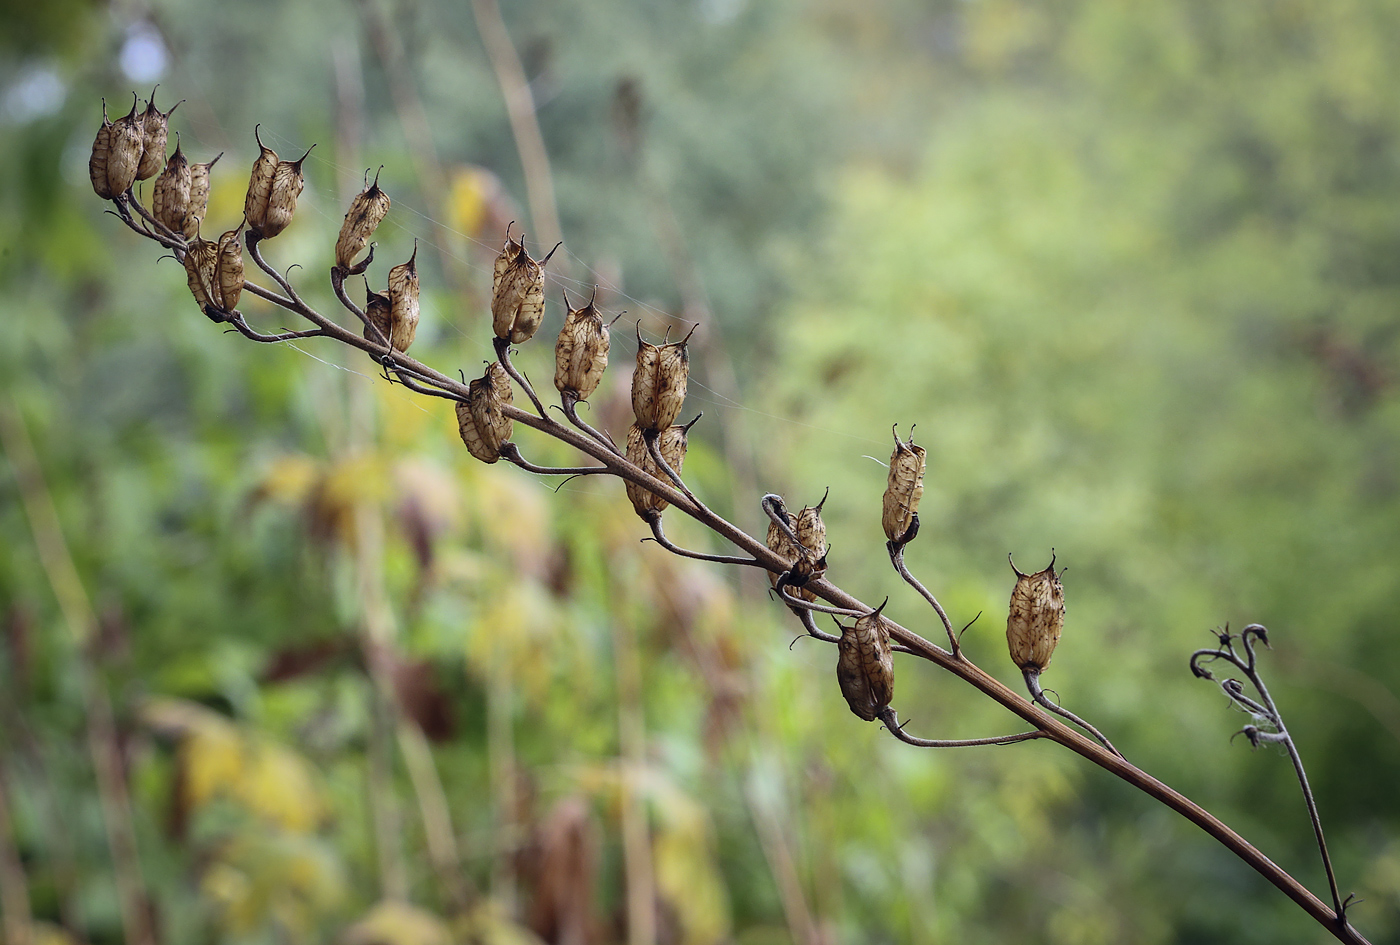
{"points": [[199, 196], [170, 197], [581, 353], [366, 212], [517, 292], [403, 302], [659, 382], [903, 490], [481, 421], [1036, 618], [865, 665], [671, 443], [155, 127], [116, 153]]}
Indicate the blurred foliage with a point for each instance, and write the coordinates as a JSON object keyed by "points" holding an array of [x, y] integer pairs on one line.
{"points": [[1133, 269]]}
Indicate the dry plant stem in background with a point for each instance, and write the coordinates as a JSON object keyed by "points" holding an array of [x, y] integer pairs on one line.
{"points": [[803, 572]]}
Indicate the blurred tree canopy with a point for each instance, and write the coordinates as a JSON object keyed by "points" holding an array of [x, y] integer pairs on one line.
{"points": [[1132, 268]]}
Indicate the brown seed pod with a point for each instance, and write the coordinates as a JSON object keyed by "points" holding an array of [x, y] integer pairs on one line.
{"points": [[260, 185], [199, 196], [403, 302], [903, 490], [659, 382], [229, 269], [671, 443], [170, 197], [379, 309], [811, 531], [201, 271], [517, 292], [116, 153], [481, 422], [865, 665], [1036, 617], [581, 353], [366, 212], [155, 126], [287, 184]]}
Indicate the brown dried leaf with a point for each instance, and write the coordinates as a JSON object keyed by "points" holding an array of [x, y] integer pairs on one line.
{"points": [[865, 665], [581, 353], [366, 212], [904, 489], [1036, 617]]}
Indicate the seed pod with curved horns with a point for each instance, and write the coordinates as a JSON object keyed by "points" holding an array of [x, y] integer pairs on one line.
{"points": [[287, 184], [170, 197], [671, 443], [865, 665], [116, 153], [903, 490], [379, 310], [201, 272], [1036, 617], [199, 196], [811, 531], [259, 184], [517, 292], [484, 427], [366, 212], [403, 302], [229, 269], [659, 382], [581, 353], [155, 127]]}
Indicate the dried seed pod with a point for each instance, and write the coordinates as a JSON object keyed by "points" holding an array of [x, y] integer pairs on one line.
{"points": [[517, 292], [287, 184], [379, 309], [116, 153], [170, 197], [199, 196], [781, 545], [581, 353], [1036, 617], [659, 382], [201, 271], [366, 212], [811, 531], [903, 490], [403, 302], [481, 422], [260, 184], [671, 443], [155, 126], [865, 665], [229, 269]]}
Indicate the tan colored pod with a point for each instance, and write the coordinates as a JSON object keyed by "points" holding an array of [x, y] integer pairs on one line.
{"points": [[517, 292], [811, 531], [403, 302], [116, 153], [201, 271], [903, 490], [659, 382], [379, 309], [366, 212], [865, 665], [199, 196], [1036, 617], [260, 185], [671, 443], [229, 269], [781, 545], [581, 353], [155, 128], [287, 184], [482, 423], [170, 197]]}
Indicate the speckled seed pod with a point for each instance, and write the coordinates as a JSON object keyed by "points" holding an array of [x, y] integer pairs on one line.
{"points": [[379, 309], [480, 421], [155, 126], [366, 212], [116, 153], [581, 353], [865, 666], [1036, 618], [671, 443], [229, 269], [658, 384], [811, 531], [287, 184], [781, 545], [170, 197], [260, 184], [201, 271], [403, 302], [199, 196], [517, 293], [903, 490]]}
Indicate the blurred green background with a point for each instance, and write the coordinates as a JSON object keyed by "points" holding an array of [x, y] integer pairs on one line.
{"points": [[1132, 268]]}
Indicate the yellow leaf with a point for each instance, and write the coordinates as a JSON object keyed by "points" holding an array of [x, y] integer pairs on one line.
{"points": [[397, 923]]}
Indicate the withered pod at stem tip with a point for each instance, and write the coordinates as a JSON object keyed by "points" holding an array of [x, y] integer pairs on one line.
{"points": [[366, 212], [199, 195], [903, 489], [659, 382], [403, 302], [1036, 617], [482, 423], [581, 353], [155, 127], [116, 153], [273, 189], [865, 665], [170, 197], [517, 292], [671, 443]]}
